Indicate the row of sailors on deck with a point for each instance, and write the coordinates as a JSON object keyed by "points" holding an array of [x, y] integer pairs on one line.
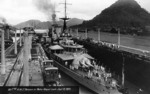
{"points": [[111, 45], [85, 63], [67, 42], [100, 75], [98, 72], [103, 78]]}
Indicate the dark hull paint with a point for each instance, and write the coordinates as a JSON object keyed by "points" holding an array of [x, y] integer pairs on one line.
{"points": [[137, 70], [95, 87]]}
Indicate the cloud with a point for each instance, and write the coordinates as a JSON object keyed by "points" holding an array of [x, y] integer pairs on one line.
{"points": [[45, 6], [16, 11]]}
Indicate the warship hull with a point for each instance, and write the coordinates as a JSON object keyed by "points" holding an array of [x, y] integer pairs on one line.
{"points": [[87, 82]]}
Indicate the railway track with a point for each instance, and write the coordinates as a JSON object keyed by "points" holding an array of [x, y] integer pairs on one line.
{"points": [[14, 77]]}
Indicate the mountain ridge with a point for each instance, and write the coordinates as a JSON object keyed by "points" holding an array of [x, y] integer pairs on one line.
{"points": [[121, 14], [47, 24]]}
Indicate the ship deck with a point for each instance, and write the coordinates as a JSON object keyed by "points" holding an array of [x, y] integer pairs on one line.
{"points": [[93, 78], [35, 73], [70, 56]]}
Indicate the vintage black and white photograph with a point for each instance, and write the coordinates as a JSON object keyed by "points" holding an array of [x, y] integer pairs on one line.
{"points": [[74, 47]]}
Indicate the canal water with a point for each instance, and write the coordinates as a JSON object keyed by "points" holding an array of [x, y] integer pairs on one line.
{"points": [[140, 42], [68, 81]]}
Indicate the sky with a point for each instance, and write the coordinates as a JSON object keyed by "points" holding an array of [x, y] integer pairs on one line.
{"points": [[16, 11]]}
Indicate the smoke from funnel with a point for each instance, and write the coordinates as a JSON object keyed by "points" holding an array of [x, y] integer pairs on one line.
{"points": [[46, 6], [2, 20]]}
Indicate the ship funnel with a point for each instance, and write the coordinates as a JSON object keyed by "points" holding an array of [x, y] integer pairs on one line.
{"points": [[54, 18]]}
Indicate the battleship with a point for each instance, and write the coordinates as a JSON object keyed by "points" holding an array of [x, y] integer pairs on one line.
{"points": [[73, 59]]}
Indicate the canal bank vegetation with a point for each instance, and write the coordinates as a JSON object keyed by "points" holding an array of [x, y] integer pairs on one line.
{"points": [[127, 15]]}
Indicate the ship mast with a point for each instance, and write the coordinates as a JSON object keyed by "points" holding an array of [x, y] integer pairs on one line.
{"points": [[54, 23], [65, 18]]}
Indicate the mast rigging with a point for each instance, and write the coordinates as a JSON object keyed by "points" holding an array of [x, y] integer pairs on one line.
{"points": [[65, 18]]}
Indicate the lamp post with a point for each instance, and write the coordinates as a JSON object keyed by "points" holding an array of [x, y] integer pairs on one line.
{"points": [[77, 32], [86, 33], [8, 34], [2, 28], [123, 76], [118, 37], [20, 38], [2, 52], [99, 35], [15, 42]]}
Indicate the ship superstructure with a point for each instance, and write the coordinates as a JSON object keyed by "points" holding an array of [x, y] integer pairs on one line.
{"points": [[73, 59]]}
